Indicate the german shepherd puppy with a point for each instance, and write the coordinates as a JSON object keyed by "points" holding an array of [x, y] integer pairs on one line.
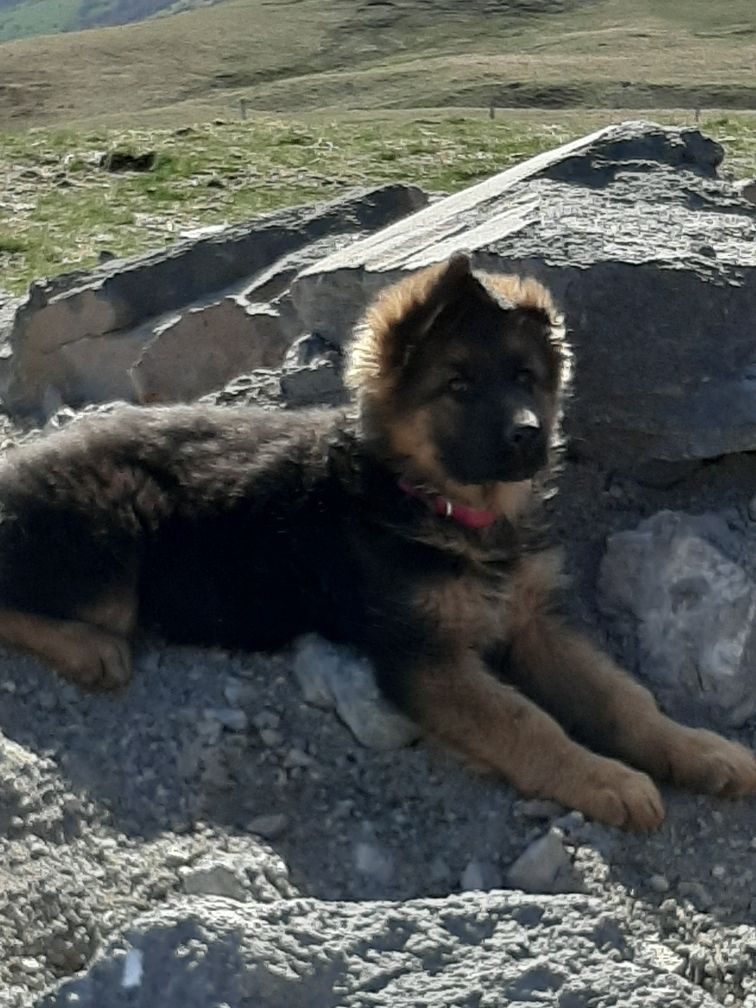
{"points": [[396, 528]]}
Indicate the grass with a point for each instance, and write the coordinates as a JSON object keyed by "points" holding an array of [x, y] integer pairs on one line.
{"points": [[300, 56], [60, 209]]}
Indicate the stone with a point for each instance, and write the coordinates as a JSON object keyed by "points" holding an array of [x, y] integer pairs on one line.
{"points": [[479, 876], [94, 335], [652, 258], [658, 883], [682, 580], [311, 373], [214, 344], [214, 879], [747, 189], [126, 161], [371, 859], [508, 948], [544, 867], [268, 826], [336, 677]]}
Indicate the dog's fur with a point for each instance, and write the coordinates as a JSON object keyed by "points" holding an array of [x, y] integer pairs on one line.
{"points": [[245, 528]]}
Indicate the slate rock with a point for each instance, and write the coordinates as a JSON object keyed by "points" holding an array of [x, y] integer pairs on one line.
{"points": [[75, 338], [652, 258]]}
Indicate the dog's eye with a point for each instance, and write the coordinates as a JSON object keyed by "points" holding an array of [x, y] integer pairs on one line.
{"points": [[459, 386]]}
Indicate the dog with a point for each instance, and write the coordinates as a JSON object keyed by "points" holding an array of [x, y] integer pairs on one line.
{"points": [[398, 525]]}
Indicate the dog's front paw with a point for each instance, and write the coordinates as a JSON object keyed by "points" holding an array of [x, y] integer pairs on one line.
{"points": [[612, 793], [704, 761], [93, 658]]}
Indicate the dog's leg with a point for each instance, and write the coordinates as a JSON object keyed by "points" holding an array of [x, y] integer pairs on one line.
{"points": [[495, 726], [93, 651], [608, 710]]}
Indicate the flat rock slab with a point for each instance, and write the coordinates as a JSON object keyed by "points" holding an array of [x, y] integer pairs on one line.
{"points": [[652, 258], [75, 338], [480, 951]]}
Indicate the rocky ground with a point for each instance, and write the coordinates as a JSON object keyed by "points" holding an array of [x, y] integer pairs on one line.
{"points": [[211, 775], [214, 838]]}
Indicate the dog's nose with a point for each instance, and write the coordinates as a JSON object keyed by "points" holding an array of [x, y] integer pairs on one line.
{"points": [[524, 430]]}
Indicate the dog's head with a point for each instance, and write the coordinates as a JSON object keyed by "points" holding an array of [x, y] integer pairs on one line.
{"points": [[458, 376]]}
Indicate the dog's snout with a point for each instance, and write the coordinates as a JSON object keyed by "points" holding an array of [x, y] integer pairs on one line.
{"points": [[524, 429]]}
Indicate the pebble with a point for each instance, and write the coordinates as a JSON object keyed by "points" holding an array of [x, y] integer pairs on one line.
{"points": [[370, 859], [480, 876], [539, 808], [266, 719], [230, 717], [719, 871], [297, 758], [268, 826], [544, 867], [658, 883], [271, 737]]}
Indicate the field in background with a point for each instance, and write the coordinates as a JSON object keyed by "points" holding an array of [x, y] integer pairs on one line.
{"points": [[298, 56], [339, 93], [59, 208]]}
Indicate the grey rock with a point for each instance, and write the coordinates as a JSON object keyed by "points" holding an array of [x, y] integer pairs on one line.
{"points": [[336, 677], [539, 808], [747, 189], [694, 609], [311, 373], [544, 867], [510, 949], [215, 878], [119, 330], [372, 859], [268, 826], [479, 876], [658, 883], [202, 349], [652, 258]]}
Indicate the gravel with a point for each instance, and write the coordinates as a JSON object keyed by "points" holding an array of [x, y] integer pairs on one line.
{"points": [[212, 773]]}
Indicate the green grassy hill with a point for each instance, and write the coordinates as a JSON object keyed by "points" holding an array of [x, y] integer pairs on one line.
{"points": [[336, 55], [24, 18]]}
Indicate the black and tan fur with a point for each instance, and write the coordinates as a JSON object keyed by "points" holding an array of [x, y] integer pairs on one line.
{"points": [[245, 528]]}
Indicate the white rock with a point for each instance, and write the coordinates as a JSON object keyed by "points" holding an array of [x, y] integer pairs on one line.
{"points": [[695, 610], [332, 676]]}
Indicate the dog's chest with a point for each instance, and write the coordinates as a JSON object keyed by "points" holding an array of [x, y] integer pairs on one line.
{"points": [[468, 608]]}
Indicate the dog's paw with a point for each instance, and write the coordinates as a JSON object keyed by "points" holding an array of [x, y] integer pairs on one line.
{"points": [[93, 658], [612, 793], [704, 761]]}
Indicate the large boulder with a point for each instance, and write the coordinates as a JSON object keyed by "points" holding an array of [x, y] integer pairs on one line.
{"points": [[652, 257], [499, 949], [688, 584], [174, 324]]}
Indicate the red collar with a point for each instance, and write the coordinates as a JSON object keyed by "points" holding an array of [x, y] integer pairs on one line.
{"points": [[470, 517]]}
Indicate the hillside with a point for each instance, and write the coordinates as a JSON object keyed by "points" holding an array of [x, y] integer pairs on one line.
{"points": [[24, 18], [306, 55]]}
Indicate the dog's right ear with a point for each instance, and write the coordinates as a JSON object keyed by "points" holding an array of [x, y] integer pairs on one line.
{"points": [[401, 316], [442, 286]]}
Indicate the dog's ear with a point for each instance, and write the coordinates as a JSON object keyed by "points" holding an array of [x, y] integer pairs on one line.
{"points": [[443, 285], [402, 316]]}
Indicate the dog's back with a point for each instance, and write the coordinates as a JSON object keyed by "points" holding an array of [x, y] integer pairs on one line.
{"points": [[82, 507]]}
